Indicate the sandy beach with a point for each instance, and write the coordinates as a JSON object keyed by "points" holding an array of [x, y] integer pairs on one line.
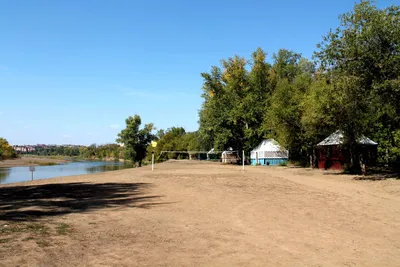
{"points": [[201, 214]]}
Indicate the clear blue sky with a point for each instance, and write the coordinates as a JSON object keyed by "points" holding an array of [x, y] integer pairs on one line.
{"points": [[72, 71]]}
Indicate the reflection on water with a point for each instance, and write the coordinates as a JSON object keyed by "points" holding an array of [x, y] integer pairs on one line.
{"points": [[20, 174], [108, 167]]}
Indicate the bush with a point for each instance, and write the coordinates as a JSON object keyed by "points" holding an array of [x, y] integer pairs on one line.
{"points": [[6, 151]]}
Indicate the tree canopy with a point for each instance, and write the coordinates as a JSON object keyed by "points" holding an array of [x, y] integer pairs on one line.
{"points": [[353, 85], [136, 140], [6, 151]]}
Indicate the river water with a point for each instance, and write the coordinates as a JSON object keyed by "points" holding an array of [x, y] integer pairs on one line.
{"points": [[21, 174]]}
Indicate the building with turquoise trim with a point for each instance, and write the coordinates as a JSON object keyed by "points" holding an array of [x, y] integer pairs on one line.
{"points": [[269, 153]]}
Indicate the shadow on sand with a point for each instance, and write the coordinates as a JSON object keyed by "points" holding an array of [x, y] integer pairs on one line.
{"points": [[18, 203], [373, 174], [378, 176]]}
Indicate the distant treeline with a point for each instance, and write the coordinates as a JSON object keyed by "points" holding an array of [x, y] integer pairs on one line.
{"points": [[107, 151]]}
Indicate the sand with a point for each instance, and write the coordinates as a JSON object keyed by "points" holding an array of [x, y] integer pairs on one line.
{"points": [[201, 214], [30, 161]]}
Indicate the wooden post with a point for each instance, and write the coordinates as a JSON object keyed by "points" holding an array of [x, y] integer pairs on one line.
{"points": [[152, 160], [256, 158], [243, 159]]}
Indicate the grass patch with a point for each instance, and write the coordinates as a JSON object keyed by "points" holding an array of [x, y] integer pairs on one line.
{"points": [[283, 164], [4, 240], [32, 231], [63, 229], [37, 228], [41, 163], [9, 229], [46, 163]]}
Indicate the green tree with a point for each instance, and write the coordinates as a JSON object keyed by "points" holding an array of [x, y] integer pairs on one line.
{"points": [[235, 101], [286, 64], [136, 140], [361, 59], [291, 76], [6, 151]]}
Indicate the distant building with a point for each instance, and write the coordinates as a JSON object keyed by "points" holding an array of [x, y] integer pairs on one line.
{"points": [[230, 156]]}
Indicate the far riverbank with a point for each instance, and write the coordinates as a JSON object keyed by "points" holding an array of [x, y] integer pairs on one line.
{"points": [[31, 161]]}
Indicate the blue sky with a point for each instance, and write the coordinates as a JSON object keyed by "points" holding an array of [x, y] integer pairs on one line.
{"points": [[72, 71]]}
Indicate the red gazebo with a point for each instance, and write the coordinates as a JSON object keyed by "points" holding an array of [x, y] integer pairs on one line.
{"points": [[331, 154]]}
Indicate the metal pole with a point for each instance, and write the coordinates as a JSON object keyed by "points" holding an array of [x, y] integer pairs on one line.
{"points": [[243, 158], [32, 175], [152, 161]]}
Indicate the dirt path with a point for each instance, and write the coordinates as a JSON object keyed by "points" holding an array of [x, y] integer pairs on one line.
{"points": [[199, 214]]}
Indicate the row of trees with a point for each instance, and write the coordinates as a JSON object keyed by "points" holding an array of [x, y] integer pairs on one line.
{"points": [[6, 151], [174, 139], [107, 151], [353, 85], [137, 141], [56, 151]]}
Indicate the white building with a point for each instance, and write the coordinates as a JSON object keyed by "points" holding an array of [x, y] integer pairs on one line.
{"points": [[269, 152]]}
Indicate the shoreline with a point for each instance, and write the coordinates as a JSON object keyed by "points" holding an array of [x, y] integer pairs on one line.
{"points": [[31, 161]]}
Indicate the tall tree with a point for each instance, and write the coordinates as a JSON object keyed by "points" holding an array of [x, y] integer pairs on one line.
{"points": [[136, 140], [256, 99], [235, 101], [361, 58], [292, 77]]}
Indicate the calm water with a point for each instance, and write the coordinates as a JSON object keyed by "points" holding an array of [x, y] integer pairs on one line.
{"points": [[21, 174]]}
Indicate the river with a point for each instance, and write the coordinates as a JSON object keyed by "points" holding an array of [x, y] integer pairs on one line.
{"points": [[22, 174]]}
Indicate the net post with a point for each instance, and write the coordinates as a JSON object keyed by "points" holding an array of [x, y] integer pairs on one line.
{"points": [[243, 159], [152, 160]]}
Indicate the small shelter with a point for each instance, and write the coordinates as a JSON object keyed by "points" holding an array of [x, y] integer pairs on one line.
{"points": [[212, 155], [330, 154], [269, 152], [230, 156]]}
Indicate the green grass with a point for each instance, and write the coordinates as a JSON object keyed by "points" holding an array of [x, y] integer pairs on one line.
{"points": [[32, 231], [15, 231], [37, 228], [43, 163], [63, 229], [283, 163], [11, 229]]}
